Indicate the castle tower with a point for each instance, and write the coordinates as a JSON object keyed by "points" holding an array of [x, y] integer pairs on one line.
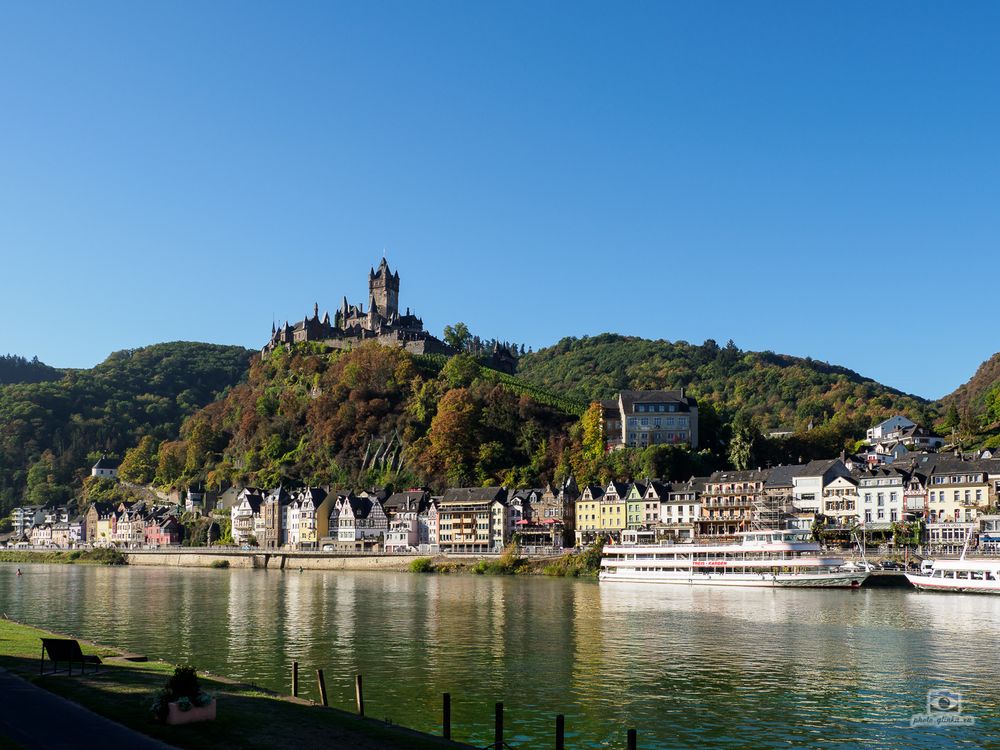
{"points": [[383, 290]]}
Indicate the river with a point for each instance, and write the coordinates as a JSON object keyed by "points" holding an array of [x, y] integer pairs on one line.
{"points": [[706, 668]]}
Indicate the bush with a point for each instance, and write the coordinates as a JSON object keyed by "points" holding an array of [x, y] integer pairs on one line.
{"points": [[219, 564], [422, 565], [574, 564]]}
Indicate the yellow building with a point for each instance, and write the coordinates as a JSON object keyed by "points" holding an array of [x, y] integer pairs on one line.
{"points": [[588, 514], [958, 490], [612, 513]]}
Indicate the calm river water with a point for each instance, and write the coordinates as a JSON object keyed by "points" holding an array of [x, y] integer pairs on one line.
{"points": [[687, 667]]}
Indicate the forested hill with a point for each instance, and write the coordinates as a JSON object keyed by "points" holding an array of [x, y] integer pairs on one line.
{"points": [[15, 369], [979, 399], [50, 431], [776, 389], [374, 415]]}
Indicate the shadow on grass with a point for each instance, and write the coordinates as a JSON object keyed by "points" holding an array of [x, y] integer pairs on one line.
{"points": [[247, 717]]}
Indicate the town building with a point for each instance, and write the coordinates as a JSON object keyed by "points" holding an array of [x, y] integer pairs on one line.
{"points": [[840, 502], [881, 497], [892, 424], [680, 507], [730, 503], [808, 484], [588, 514], [473, 519], [638, 419], [404, 510], [105, 467], [243, 515]]}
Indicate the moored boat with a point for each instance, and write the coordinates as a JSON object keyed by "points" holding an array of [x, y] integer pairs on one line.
{"points": [[770, 558], [962, 576]]}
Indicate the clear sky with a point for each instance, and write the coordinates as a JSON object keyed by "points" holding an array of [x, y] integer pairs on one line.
{"points": [[815, 178]]}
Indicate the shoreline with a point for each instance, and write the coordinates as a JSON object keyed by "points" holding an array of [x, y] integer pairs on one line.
{"points": [[249, 716], [567, 565]]}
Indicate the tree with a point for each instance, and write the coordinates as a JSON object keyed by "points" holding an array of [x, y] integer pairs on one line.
{"points": [[742, 444], [458, 336], [592, 423], [139, 464]]}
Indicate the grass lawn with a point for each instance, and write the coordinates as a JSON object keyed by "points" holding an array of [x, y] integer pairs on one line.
{"points": [[247, 717]]}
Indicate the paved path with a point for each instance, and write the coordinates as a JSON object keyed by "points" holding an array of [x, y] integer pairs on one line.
{"points": [[35, 718]]}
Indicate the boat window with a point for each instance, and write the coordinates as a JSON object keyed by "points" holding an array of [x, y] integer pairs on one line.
{"points": [[937, 574]]}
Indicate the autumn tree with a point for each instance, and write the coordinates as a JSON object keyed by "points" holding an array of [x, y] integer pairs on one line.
{"points": [[139, 464]]}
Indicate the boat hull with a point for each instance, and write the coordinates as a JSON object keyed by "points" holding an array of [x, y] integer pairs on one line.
{"points": [[956, 586], [793, 580]]}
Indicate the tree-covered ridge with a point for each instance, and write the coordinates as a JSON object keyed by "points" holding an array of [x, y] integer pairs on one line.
{"points": [[51, 431], [372, 415], [774, 389], [16, 369]]}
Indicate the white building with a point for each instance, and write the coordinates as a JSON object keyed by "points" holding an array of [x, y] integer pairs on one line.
{"points": [[105, 467], [244, 515], [808, 485], [882, 497], [882, 429]]}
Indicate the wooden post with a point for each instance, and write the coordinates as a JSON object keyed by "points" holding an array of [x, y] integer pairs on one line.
{"points": [[446, 716], [560, 732], [322, 687], [295, 679], [631, 739], [498, 727], [359, 695]]}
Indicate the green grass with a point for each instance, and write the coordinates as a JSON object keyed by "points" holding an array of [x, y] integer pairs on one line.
{"points": [[89, 556], [248, 717]]}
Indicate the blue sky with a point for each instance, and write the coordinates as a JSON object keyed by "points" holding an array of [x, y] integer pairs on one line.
{"points": [[815, 178]]}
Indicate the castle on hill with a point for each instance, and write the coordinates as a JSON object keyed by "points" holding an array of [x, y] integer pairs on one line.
{"points": [[382, 322]]}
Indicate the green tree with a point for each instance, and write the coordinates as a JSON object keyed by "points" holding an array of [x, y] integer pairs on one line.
{"points": [[742, 444], [139, 464], [458, 336]]}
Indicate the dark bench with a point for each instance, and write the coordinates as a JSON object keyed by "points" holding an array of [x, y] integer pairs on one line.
{"points": [[65, 650]]}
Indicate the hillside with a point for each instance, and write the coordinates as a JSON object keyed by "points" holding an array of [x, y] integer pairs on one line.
{"points": [[372, 415], [15, 369], [50, 431], [776, 389], [979, 394]]}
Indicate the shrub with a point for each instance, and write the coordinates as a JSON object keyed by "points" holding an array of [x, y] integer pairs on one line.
{"points": [[220, 564], [422, 565]]}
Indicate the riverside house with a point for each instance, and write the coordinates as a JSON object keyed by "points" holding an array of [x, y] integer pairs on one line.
{"points": [[404, 510], [362, 522], [730, 503], [473, 519], [244, 514], [612, 509], [101, 523], [588, 514]]}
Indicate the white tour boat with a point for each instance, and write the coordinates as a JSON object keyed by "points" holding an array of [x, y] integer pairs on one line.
{"points": [[774, 558], [961, 575], [964, 576]]}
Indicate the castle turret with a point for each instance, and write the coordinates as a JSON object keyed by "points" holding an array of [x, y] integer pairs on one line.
{"points": [[383, 290]]}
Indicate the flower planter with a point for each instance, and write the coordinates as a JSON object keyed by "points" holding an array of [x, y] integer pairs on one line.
{"points": [[195, 713]]}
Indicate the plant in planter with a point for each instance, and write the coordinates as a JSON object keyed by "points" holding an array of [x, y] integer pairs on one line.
{"points": [[182, 701]]}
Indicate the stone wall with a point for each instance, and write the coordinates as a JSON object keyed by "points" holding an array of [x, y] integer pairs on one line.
{"points": [[269, 560]]}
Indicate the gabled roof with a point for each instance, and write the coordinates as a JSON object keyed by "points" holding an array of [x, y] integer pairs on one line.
{"points": [[107, 463]]}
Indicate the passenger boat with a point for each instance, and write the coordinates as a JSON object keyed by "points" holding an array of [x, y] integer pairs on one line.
{"points": [[772, 558], [963, 576]]}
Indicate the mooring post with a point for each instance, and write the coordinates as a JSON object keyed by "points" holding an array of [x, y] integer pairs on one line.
{"points": [[446, 716], [295, 679], [498, 728], [560, 731], [359, 695], [631, 739], [322, 687]]}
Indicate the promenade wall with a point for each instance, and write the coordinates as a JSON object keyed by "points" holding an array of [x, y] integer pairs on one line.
{"points": [[277, 560]]}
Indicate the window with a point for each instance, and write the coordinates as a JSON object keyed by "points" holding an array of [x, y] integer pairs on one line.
{"points": [[868, 516], [881, 500], [868, 498], [644, 421]]}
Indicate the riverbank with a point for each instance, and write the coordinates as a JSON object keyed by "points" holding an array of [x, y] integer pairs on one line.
{"points": [[65, 557], [248, 717]]}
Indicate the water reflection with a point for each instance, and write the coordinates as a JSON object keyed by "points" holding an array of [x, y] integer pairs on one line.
{"points": [[687, 667]]}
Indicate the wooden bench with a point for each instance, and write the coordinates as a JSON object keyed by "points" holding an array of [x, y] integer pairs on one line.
{"points": [[65, 650]]}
